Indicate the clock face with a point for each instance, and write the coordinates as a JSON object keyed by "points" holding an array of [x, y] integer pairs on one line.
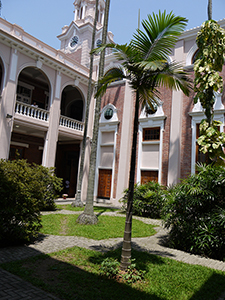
{"points": [[98, 43], [74, 41]]}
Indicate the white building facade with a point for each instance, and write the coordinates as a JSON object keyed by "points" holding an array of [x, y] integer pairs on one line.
{"points": [[43, 102]]}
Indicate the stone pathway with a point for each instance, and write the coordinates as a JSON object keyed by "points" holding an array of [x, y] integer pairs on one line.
{"points": [[13, 288]]}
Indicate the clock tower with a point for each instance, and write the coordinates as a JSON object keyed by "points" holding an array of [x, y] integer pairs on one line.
{"points": [[76, 38]]}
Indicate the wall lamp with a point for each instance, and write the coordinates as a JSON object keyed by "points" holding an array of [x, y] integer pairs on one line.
{"points": [[8, 116]]}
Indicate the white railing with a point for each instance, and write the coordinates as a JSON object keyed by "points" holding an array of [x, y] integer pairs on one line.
{"points": [[71, 123], [31, 111]]}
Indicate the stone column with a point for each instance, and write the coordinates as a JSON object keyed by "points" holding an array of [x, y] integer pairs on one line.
{"points": [[175, 129], [8, 107], [51, 139], [75, 14], [125, 143]]}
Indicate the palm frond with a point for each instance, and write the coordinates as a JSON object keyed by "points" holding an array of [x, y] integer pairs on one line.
{"points": [[159, 36], [102, 47], [107, 79], [174, 77], [145, 58], [151, 65]]}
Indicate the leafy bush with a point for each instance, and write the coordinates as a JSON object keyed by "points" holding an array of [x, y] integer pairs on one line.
{"points": [[110, 268], [195, 213], [148, 199], [49, 186], [25, 190]]}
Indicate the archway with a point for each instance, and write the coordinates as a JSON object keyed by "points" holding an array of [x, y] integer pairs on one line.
{"points": [[33, 88], [72, 103]]}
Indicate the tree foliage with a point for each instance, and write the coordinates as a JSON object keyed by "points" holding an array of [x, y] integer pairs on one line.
{"points": [[211, 141], [195, 213], [25, 190], [148, 199], [210, 60]]}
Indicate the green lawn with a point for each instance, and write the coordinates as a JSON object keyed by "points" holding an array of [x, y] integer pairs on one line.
{"points": [[74, 274], [107, 227]]}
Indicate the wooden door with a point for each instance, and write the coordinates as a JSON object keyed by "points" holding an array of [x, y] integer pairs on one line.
{"points": [[147, 176], [104, 183]]}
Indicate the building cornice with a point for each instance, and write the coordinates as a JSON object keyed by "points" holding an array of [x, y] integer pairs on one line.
{"points": [[15, 37], [192, 33]]}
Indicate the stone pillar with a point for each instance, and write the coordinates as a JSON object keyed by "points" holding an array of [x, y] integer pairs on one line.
{"points": [[51, 139], [83, 11], [75, 13], [8, 107], [125, 143], [175, 129], [103, 16]]}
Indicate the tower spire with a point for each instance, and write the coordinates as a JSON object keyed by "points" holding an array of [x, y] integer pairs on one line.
{"points": [[84, 11]]}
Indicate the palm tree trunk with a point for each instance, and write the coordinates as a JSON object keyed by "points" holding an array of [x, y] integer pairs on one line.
{"points": [[126, 249], [88, 216], [210, 10], [78, 202]]}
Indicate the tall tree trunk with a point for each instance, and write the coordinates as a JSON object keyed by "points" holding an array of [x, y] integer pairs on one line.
{"points": [[210, 10], [126, 249], [88, 216], [78, 201]]}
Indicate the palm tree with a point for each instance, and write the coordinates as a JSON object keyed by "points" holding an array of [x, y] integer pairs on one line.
{"points": [[147, 68], [78, 202], [88, 216], [210, 10]]}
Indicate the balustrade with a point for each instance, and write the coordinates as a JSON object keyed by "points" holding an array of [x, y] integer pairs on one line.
{"points": [[41, 114], [71, 123], [31, 111]]}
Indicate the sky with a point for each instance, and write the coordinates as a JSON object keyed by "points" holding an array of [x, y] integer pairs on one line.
{"points": [[44, 19]]}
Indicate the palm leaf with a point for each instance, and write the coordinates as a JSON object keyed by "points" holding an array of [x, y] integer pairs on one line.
{"points": [[160, 36], [107, 79]]}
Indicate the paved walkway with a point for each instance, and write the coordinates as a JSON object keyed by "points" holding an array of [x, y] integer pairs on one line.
{"points": [[12, 287]]}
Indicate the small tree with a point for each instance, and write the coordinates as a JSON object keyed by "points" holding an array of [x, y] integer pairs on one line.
{"points": [[147, 69], [210, 61]]}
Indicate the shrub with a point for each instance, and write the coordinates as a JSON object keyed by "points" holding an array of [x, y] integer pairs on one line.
{"points": [[49, 186], [195, 213], [110, 268], [148, 199], [24, 189]]}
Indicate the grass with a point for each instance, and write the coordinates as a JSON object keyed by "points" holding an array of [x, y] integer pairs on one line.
{"points": [[99, 209], [107, 227], [74, 274]]}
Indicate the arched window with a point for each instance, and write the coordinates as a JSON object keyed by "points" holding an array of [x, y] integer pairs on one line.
{"points": [[33, 88], [72, 103], [194, 57], [115, 70]]}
